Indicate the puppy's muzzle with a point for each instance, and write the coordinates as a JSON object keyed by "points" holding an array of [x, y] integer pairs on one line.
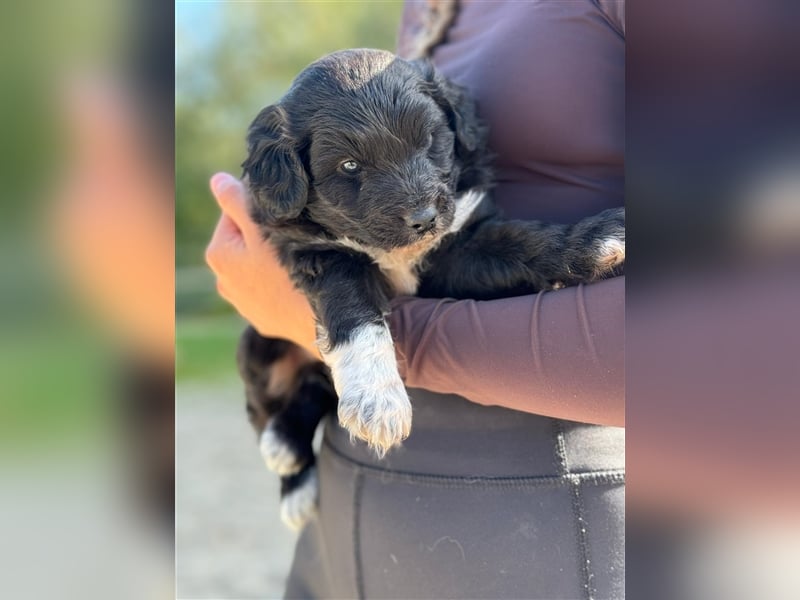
{"points": [[423, 219]]}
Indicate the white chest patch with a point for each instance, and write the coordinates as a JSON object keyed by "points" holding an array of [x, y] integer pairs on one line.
{"points": [[401, 265]]}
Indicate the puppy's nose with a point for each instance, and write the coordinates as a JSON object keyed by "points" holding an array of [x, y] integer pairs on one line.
{"points": [[423, 219]]}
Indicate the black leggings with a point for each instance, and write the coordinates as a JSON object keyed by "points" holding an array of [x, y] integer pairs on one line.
{"points": [[480, 502]]}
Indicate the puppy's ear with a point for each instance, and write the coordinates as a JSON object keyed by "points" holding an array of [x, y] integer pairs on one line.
{"points": [[458, 106], [275, 173]]}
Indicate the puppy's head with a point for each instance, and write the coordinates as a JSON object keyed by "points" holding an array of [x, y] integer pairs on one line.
{"points": [[371, 147]]}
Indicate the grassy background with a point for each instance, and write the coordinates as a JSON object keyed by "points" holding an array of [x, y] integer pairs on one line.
{"points": [[206, 347]]}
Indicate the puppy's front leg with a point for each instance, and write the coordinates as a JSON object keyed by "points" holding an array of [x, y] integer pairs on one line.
{"points": [[373, 403], [499, 258], [350, 298]]}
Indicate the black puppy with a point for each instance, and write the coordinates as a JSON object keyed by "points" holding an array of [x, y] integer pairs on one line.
{"points": [[371, 178]]}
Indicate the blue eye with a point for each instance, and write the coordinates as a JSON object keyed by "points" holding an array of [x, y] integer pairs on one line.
{"points": [[350, 166]]}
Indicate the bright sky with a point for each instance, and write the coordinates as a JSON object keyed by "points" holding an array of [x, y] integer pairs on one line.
{"points": [[196, 24]]}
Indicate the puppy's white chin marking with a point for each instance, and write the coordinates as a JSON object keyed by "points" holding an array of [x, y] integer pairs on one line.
{"points": [[373, 403], [300, 505], [610, 254], [277, 454]]}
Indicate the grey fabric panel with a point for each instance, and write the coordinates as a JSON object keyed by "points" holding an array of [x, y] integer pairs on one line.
{"points": [[603, 513], [591, 448], [437, 541]]}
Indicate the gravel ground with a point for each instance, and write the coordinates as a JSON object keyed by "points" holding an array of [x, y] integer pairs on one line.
{"points": [[230, 542]]}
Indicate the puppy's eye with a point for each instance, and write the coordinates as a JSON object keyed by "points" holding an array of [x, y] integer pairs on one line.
{"points": [[350, 167]]}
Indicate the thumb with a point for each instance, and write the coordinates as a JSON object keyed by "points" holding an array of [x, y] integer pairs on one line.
{"points": [[233, 199], [225, 246]]}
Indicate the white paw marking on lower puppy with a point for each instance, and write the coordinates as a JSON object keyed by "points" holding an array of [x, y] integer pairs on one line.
{"points": [[610, 253], [277, 454], [300, 505], [373, 403]]}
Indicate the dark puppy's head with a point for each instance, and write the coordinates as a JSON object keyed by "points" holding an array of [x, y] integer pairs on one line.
{"points": [[370, 146]]}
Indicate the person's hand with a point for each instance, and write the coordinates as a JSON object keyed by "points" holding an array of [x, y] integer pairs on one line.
{"points": [[249, 275]]}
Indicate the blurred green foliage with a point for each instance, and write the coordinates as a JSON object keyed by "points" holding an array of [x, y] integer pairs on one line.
{"points": [[57, 368], [41, 43], [56, 384], [232, 60], [206, 348]]}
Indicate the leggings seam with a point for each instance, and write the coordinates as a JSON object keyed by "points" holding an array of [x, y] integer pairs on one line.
{"points": [[604, 477], [359, 571], [581, 526], [561, 449], [578, 512]]}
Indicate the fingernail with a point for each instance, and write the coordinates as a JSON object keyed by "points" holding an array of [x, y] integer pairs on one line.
{"points": [[219, 182]]}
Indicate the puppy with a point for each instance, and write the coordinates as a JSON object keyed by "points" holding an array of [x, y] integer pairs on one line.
{"points": [[371, 178]]}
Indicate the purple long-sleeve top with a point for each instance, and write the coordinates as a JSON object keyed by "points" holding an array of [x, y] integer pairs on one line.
{"points": [[549, 79]]}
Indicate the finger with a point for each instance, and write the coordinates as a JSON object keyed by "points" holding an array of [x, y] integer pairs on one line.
{"points": [[232, 198]]}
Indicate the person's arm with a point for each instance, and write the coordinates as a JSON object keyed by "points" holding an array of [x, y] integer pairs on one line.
{"points": [[559, 354]]}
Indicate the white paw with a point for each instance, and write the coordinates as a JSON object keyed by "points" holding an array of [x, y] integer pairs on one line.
{"points": [[300, 505], [610, 253], [373, 403], [277, 454], [378, 412]]}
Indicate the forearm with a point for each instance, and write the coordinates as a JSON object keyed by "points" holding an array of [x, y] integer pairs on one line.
{"points": [[559, 354]]}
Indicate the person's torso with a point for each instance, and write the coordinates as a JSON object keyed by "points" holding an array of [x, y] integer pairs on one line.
{"points": [[549, 78]]}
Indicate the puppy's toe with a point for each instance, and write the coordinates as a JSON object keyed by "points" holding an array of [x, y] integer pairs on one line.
{"points": [[378, 414], [299, 506], [278, 453], [610, 253]]}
